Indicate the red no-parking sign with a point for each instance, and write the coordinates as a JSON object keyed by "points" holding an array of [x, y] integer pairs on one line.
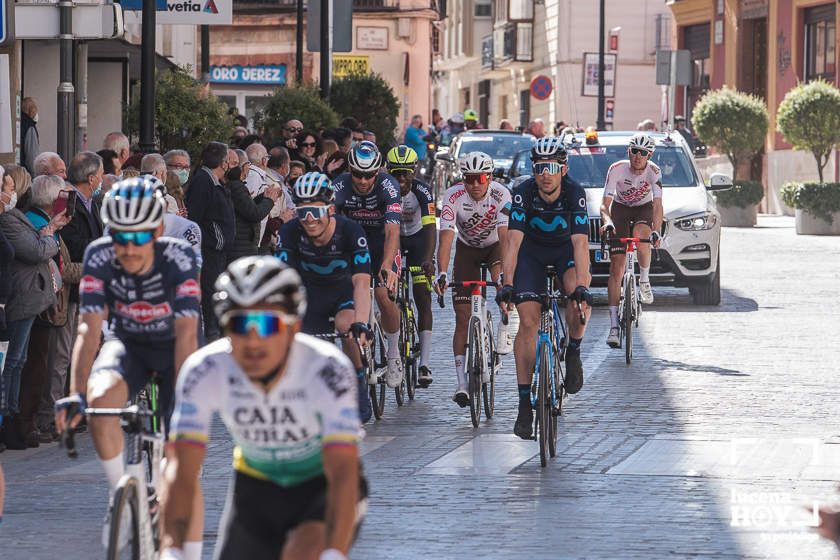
{"points": [[541, 87]]}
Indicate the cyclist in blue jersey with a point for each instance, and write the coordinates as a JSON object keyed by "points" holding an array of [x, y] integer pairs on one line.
{"points": [[288, 401], [371, 198], [331, 255], [418, 232], [549, 225], [146, 287]]}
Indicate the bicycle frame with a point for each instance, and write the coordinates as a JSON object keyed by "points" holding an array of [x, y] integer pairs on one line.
{"points": [[551, 327]]}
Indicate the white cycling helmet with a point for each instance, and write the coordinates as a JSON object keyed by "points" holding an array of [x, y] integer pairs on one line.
{"points": [[313, 187], [364, 157], [134, 204], [475, 162], [549, 148], [643, 141], [259, 280]]}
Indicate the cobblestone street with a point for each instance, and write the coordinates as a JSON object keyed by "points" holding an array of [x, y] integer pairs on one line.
{"points": [[712, 444]]}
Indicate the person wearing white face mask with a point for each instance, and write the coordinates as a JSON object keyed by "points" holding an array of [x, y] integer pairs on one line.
{"points": [[30, 144]]}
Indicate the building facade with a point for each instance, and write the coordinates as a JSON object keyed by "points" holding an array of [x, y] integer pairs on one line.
{"points": [[492, 50], [256, 54], [764, 47]]}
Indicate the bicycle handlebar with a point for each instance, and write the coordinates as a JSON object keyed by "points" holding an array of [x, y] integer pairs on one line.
{"points": [[466, 284], [334, 335], [68, 436]]}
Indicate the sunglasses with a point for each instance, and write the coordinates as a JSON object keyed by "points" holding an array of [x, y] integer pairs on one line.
{"points": [[398, 173], [480, 178], [264, 323], [139, 238], [311, 212], [639, 152], [360, 175], [550, 167], [308, 144], [294, 129]]}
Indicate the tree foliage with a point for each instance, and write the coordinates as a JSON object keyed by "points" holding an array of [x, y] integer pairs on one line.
{"points": [[735, 123], [371, 101], [821, 200], [809, 118], [295, 102], [187, 115]]}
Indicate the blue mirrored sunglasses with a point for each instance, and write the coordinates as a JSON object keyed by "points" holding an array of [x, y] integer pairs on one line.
{"points": [[139, 238], [550, 167], [264, 323], [311, 212]]}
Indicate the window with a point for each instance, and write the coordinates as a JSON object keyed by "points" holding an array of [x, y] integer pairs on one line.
{"points": [[521, 10], [820, 56], [483, 8]]}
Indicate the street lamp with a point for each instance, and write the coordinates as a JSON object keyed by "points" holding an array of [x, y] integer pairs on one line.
{"points": [[600, 124]]}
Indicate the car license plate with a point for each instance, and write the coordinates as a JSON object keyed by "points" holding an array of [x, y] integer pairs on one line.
{"points": [[602, 256]]}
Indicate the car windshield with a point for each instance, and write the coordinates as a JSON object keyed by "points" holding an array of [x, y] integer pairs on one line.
{"points": [[588, 166], [501, 146]]}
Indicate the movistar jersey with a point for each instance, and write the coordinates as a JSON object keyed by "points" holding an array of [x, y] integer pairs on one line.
{"points": [[549, 224], [141, 308], [279, 435], [373, 210], [418, 208], [343, 256]]}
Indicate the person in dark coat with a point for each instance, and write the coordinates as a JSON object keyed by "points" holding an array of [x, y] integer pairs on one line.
{"points": [[30, 142], [249, 211]]}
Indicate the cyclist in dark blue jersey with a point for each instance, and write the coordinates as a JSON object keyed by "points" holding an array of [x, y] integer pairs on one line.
{"points": [[146, 287], [331, 255], [549, 225], [371, 198]]}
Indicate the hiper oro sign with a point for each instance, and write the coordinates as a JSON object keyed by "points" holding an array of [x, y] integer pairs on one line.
{"points": [[179, 12]]}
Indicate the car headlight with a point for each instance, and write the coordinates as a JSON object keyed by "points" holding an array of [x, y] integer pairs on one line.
{"points": [[696, 223]]}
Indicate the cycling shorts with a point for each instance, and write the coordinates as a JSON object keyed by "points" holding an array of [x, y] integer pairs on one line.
{"points": [[323, 302], [376, 246], [624, 218], [136, 363], [414, 248], [529, 277], [468, 267], [259, 515]]}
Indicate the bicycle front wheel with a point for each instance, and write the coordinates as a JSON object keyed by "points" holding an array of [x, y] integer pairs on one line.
{"points": [[411, 345], [474, 370], [543, 403], [128, 534], [628, 321], [489, 389], [380, 361]]}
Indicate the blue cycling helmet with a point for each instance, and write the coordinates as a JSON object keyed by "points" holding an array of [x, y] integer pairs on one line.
{"points": [[313, 187], [364, 157]]}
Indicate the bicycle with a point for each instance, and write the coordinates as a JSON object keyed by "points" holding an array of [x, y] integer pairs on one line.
{"points": [[148, 398], [481, 348], [132, 493], [375, 353], [409, 333], [629, 306], [548, 381]]}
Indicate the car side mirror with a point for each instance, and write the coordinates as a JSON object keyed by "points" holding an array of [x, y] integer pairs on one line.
{"points": [[719, 182]]}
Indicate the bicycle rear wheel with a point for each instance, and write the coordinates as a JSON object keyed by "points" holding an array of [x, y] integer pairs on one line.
{"points": [[377, 391], [554, 410], [474, 369], [543, 403], [489, 389], [125, 499], [411, 355], [628, 322]]}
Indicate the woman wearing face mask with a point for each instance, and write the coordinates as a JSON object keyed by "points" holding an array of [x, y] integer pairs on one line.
{"points": [[33, 291], [249, 211]]}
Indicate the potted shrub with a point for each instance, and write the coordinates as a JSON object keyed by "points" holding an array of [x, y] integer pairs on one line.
{"points": [[817, 207], [738, 206]]}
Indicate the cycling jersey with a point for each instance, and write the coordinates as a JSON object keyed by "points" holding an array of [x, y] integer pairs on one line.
{"points": [[280, 435], [476, 221], [549, 224], [629, 189], [373, 210], [141, 309], [418, 208], [181, 228]]}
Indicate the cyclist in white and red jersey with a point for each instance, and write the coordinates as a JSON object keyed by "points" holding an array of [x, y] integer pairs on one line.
{"points": [[632, 199], [478, 210]]}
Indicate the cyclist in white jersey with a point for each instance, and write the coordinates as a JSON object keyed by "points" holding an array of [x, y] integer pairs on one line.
{"points": [[289, 403], [632, 198], [478, 210]]}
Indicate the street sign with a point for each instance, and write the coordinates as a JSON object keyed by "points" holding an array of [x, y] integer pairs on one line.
{"points": [[590, 74], [342, 20], [90, 21], [663, 68], [5, 28], [347, 64], [183, 12], [541, 87], [266, 74]]}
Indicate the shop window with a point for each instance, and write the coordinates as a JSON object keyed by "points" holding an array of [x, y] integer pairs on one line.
{"points": [[482, 8], [820, 55]]}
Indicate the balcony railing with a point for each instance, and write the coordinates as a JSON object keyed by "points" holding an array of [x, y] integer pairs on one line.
{"points": [[290, 5]]}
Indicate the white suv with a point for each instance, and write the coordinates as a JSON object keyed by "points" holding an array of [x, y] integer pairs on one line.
{"points": [[689, 254]]}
